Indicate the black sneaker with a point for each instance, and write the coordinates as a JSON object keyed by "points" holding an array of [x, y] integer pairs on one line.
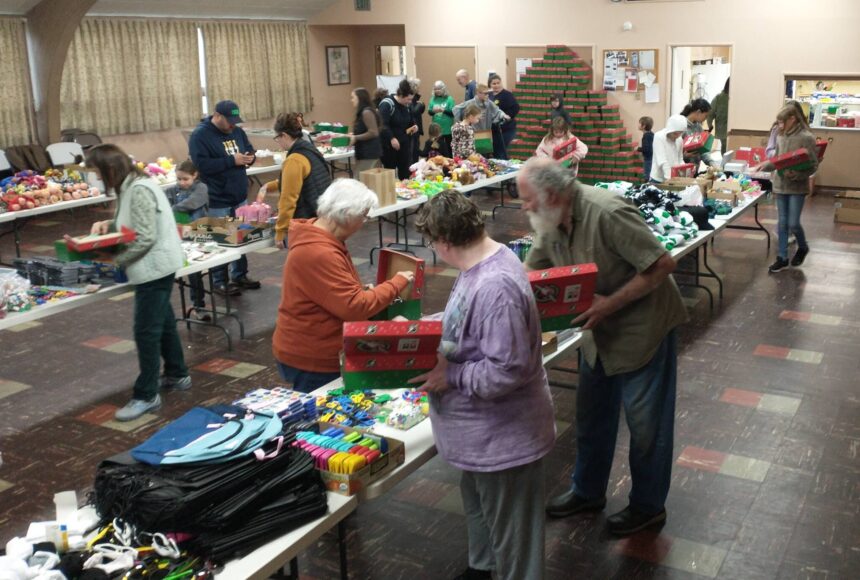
{"points": [[225, 289], [474, 574], [799, 256], [569, 503], [630, 520], [247, 283], [778, 266]]}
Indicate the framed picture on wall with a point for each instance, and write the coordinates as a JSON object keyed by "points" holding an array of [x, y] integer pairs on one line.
{"points": [[337, 64]]}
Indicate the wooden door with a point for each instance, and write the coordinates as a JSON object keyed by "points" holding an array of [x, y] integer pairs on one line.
{"points": [[441, 63], [512, 53]]}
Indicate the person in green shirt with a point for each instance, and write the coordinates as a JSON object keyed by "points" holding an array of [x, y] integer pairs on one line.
{"points": [[441, 110], [629, 352], [718, 119]]}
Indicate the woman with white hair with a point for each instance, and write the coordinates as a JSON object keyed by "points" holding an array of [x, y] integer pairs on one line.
{"points": [[322, 290], [441, 110]]}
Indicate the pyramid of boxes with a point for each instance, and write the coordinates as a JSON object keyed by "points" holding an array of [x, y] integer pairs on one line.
{"points": [[611, 153]]}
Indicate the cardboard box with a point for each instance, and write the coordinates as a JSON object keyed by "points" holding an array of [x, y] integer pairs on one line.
{"points": [[728, 196], [352, 483], [86, 243], [797, 160], [484, 142], [846, 215], [682, 183], [564, 151], [381, 181], [563, 293], [847, 204], [548, 343], [408, 303], [227, 231], [698, 143], [264, 161], [386, 354]]}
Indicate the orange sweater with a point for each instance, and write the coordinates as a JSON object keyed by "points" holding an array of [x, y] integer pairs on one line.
{"points": [[321, 291]]}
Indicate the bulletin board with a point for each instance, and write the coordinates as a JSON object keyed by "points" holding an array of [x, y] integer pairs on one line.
{"points": [[630, 70]]}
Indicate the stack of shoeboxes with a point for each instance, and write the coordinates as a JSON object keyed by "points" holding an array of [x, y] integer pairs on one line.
{"points": [[611, 151]]}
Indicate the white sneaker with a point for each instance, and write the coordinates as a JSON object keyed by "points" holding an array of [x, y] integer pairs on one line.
{"points": [[137, 407]]}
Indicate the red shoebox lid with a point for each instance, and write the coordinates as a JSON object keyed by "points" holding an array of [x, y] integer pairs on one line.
{"points": [[565, 149], [86, 243], [391, 338], [564, 290], [791, 159]]}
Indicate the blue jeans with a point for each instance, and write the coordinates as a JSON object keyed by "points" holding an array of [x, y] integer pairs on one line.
{"points": [[239, 268], [648, 396], [790, 206], [646, 170], [305, 381]]}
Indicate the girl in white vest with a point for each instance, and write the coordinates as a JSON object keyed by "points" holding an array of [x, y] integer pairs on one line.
{"points": [[150, 262]]}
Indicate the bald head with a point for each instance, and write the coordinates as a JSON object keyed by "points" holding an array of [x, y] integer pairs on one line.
{"points": [[462, 77]]}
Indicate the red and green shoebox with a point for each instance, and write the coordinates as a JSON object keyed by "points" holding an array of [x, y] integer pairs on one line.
{"points": [[563, 293], [685, 170], [797, 160], [386, 354], [95, 242], [698, 143], [408, 303]]}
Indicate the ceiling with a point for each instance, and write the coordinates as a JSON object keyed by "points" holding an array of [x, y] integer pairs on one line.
{"points": [[298, 9]]}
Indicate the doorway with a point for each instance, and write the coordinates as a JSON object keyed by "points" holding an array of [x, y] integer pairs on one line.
{"points": [[391, 60], [699, 72]]}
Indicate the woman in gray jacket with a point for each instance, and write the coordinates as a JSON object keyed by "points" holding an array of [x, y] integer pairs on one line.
{"points": [[791, 185], [150, 262]]}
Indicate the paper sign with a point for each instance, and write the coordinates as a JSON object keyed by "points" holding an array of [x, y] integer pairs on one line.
{"points": [[652, 93], [522, 65], [646, 59], [647, 78]]}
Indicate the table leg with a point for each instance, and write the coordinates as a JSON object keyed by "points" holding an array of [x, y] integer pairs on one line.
{"points": [[697, 275], [509, 185], [349, 166], [294, 569], [341, 541], [711, 273], [379, 221], [757, 227]]}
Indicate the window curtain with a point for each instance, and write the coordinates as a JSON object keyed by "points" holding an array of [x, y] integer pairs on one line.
{"points": [[263, 66], [129, 76], [16, 117]]}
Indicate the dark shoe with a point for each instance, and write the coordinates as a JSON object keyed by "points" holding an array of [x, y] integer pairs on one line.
{"points": [[630, 520], [473, 574], [569, 503], [247, 283], [799, 256], [176, 384], [225, 289], [778, 266]]}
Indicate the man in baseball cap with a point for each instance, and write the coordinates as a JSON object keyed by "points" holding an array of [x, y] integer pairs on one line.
{"points": [[230, 111], [222, 153]]}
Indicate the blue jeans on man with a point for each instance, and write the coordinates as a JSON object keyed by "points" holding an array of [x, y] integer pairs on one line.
{"points": [[648, 397], [305, 381], [239, 268], [789, 207]]}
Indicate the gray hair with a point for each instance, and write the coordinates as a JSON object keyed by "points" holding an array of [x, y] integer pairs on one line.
{"points": [[441, 86], [415, 83], [547, 177], [345, 201]]}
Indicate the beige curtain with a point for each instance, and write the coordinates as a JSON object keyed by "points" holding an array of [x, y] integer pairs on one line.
{"points": [[263, 66], [130, 76], [16, 118]]}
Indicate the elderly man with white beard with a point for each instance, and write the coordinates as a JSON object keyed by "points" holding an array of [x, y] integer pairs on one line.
{"points": [[629, 357]]}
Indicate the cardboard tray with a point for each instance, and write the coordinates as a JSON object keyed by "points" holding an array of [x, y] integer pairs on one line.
{"points": [[352, 483], [227, 231], [847, 204]]}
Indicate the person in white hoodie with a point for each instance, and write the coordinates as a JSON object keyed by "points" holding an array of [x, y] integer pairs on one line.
{"points": [[668, 148]]}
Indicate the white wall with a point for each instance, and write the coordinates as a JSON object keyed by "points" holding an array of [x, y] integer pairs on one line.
{"points": [[769, 37]]}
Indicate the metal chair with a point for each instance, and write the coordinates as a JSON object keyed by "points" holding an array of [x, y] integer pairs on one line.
{"points": [[65, 153]]}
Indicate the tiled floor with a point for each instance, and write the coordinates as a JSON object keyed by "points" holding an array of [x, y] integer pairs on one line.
{"points": [[766, 482]]}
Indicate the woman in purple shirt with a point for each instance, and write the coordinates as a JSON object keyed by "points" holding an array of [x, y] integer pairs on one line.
{"points": [[490, 403]]}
